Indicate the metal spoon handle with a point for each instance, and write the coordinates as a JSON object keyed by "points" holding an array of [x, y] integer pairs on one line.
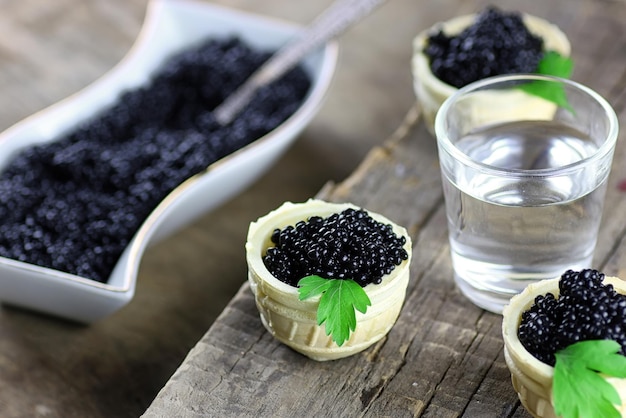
{"points": [[334, 20]]}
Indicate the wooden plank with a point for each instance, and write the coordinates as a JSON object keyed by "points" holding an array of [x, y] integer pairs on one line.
{"points": [[444, 356], [115, 368], [51, 368], [432, 362]]}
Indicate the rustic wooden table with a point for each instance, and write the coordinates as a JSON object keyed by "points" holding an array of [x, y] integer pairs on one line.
{"points": [[443, 357]]}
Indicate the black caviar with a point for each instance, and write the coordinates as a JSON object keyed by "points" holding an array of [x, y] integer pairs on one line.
{"points": [[74, 204], [586, 309], [496, 43], [345, 245]]}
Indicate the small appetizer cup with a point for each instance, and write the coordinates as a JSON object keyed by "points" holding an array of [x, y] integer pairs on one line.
{"points": [[531, 378], [431, 92], [294, 322]]}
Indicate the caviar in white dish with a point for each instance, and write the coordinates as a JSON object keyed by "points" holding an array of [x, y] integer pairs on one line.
{"points": [[170, 26]]}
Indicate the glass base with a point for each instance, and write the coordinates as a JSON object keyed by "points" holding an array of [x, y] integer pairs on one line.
{"points": [[484, 298]]}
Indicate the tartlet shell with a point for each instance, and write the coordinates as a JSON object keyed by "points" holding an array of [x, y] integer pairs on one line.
{"points": [[531, 378], [432, 92], [294, 322]]}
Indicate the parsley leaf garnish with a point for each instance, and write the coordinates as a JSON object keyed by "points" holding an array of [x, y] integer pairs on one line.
{"points": [[340, 299], [553, 64], [578, 389]]}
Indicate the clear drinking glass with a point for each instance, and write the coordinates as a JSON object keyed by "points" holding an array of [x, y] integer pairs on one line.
{"points": [[524, 181]]}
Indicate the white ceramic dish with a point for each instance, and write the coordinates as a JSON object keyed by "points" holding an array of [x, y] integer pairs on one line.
{"points": [[170, 25]]}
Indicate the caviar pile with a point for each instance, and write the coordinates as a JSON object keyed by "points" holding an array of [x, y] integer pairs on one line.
{"points": [[345, 245], [587, 309], [73, 205], [496, 43]]}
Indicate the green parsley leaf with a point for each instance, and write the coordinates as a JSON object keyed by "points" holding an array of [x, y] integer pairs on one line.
{"points": [[557, 65], [578, 389], [310, 286], [340, 299]]}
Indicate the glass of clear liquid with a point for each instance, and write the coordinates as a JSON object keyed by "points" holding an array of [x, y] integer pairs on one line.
{"points": [[524, 179]]}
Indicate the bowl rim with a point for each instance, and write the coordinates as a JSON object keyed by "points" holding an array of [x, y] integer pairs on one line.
{"points": [[313, 207], [310, 104]]}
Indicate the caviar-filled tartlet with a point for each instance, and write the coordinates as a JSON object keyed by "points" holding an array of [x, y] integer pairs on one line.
{"points": [[329, 279], [564, 344], [457, 52]]}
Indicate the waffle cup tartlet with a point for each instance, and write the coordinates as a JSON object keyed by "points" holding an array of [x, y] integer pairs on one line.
{"points": [[431, 92], [531, 378], [294, 322]]}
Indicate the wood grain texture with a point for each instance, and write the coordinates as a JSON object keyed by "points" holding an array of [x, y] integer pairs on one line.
{"points": [[50, 368], [444, 356]]}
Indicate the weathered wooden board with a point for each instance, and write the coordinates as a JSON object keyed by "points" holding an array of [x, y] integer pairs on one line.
{"points": [[444, 356], [49, 50]]}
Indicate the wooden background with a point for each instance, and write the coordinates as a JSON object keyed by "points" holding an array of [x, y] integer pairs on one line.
{"points": [[447, 359], [443, 357]]}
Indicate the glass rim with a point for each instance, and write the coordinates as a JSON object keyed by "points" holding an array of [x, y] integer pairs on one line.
{"points": [[444, 141]]}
